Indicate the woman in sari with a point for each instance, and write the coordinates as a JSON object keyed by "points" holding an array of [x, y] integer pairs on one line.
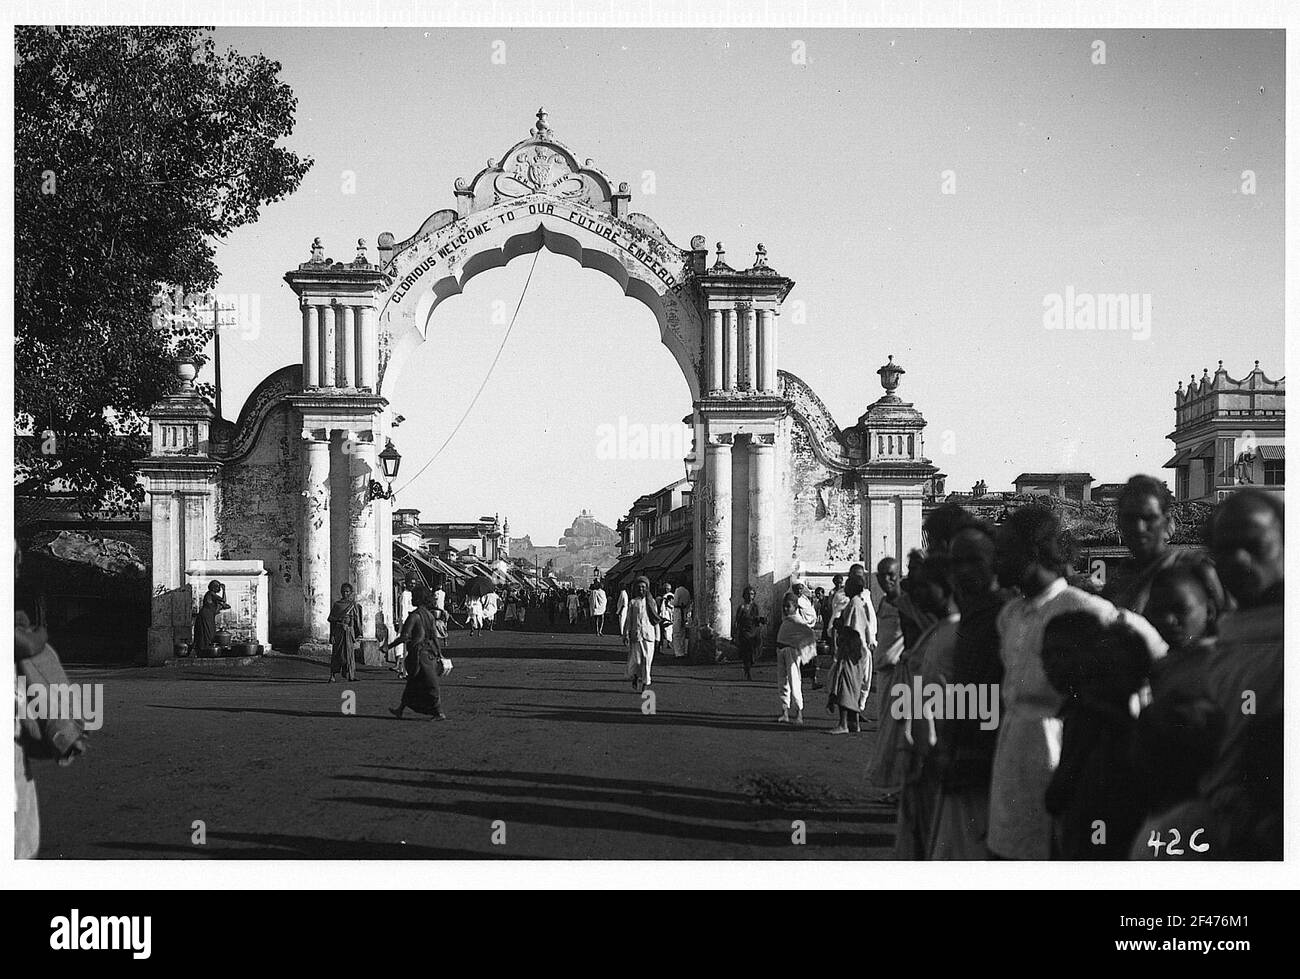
{"points": [[345, 630], [421, 635], [205, 623], [639, 632], [850, 676]]}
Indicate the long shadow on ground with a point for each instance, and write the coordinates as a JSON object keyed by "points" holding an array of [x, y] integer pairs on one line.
{"points": [[277, 846]]}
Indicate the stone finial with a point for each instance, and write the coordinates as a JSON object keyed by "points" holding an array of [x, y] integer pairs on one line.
{"points": [[1220, 367], [698, 242], [361, 252], [760, 256], [721, 253], [460, 184], [185, 374], [1180, 387], [889, 376], [1205, 372], [542, 129], [1257, 365], [623, 188], [317, 250]]}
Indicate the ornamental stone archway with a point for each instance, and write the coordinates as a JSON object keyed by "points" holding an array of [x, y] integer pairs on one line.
{"points": [[780, 490]]}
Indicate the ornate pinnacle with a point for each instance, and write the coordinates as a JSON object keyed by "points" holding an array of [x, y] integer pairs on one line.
{"points": [[889, 375], [361, 252], [760, 256], [317, 250], [541, 130]]}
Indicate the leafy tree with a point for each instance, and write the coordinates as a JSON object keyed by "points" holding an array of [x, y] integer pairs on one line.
{"points": [[135, 149]]}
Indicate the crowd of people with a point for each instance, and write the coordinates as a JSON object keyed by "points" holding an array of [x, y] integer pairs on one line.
{"points": [[1021, 711], [1027, 714]]}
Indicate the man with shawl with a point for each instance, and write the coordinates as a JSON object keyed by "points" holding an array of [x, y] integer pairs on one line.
{"points": [[796, 644], [850, 676], [639, 634], [1145, 526], [345, 631], [967, 745]]}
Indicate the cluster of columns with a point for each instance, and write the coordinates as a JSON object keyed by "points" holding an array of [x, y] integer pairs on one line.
{"points": [[339, 344], [719, 524], [741, 353], [323, 528]]}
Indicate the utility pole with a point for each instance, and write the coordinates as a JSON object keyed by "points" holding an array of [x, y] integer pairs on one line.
{"points": [[217, 325]]}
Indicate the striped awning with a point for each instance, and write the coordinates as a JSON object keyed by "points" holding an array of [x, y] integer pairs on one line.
{"points": [[1272, 452], [664, 555], [681, 562], [1179, 459], [621, 565]]}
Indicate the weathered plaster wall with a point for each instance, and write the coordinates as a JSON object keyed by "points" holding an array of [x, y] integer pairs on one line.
{"points": [[259, 516], [823, 519]]}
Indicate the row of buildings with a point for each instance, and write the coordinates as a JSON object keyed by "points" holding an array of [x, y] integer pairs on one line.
{"points": [[90, 578], [1228, 433]]}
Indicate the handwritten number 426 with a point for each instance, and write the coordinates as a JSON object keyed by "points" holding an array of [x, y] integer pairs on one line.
{"points": [[1171, 847]]}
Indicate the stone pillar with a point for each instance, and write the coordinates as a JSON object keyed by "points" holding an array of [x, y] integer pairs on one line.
{"points": [[368, 347], [748, 372], [328, 347], [909, 523], [347, 365], [310, 345], [363, 538], [762, 527], [767, 351], [715, 350], [729, 350], [882, 533], [316, 540], [716, 605]]}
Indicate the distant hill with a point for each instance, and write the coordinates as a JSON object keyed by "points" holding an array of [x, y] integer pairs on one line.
{"points": [[586, 543]]}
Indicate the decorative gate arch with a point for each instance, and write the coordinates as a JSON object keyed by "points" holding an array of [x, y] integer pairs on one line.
{"points": [[290, 482]]}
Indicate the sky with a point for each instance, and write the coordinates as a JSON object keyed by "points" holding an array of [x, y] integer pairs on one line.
{"points": [[1064, 176]]}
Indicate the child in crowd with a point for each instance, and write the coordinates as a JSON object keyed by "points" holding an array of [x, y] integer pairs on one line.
{"points": [[1176, 740], [1094, 795], [1184, 605]]}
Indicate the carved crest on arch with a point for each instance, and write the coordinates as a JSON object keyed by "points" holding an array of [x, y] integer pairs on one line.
{"points": [[540, 164]]}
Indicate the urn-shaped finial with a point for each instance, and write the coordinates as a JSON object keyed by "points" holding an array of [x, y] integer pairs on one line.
{"points": [[185, 374], [889, 375]]}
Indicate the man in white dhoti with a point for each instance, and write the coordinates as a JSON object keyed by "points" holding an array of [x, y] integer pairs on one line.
{"points": [[599, 603], [639, 634]]}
